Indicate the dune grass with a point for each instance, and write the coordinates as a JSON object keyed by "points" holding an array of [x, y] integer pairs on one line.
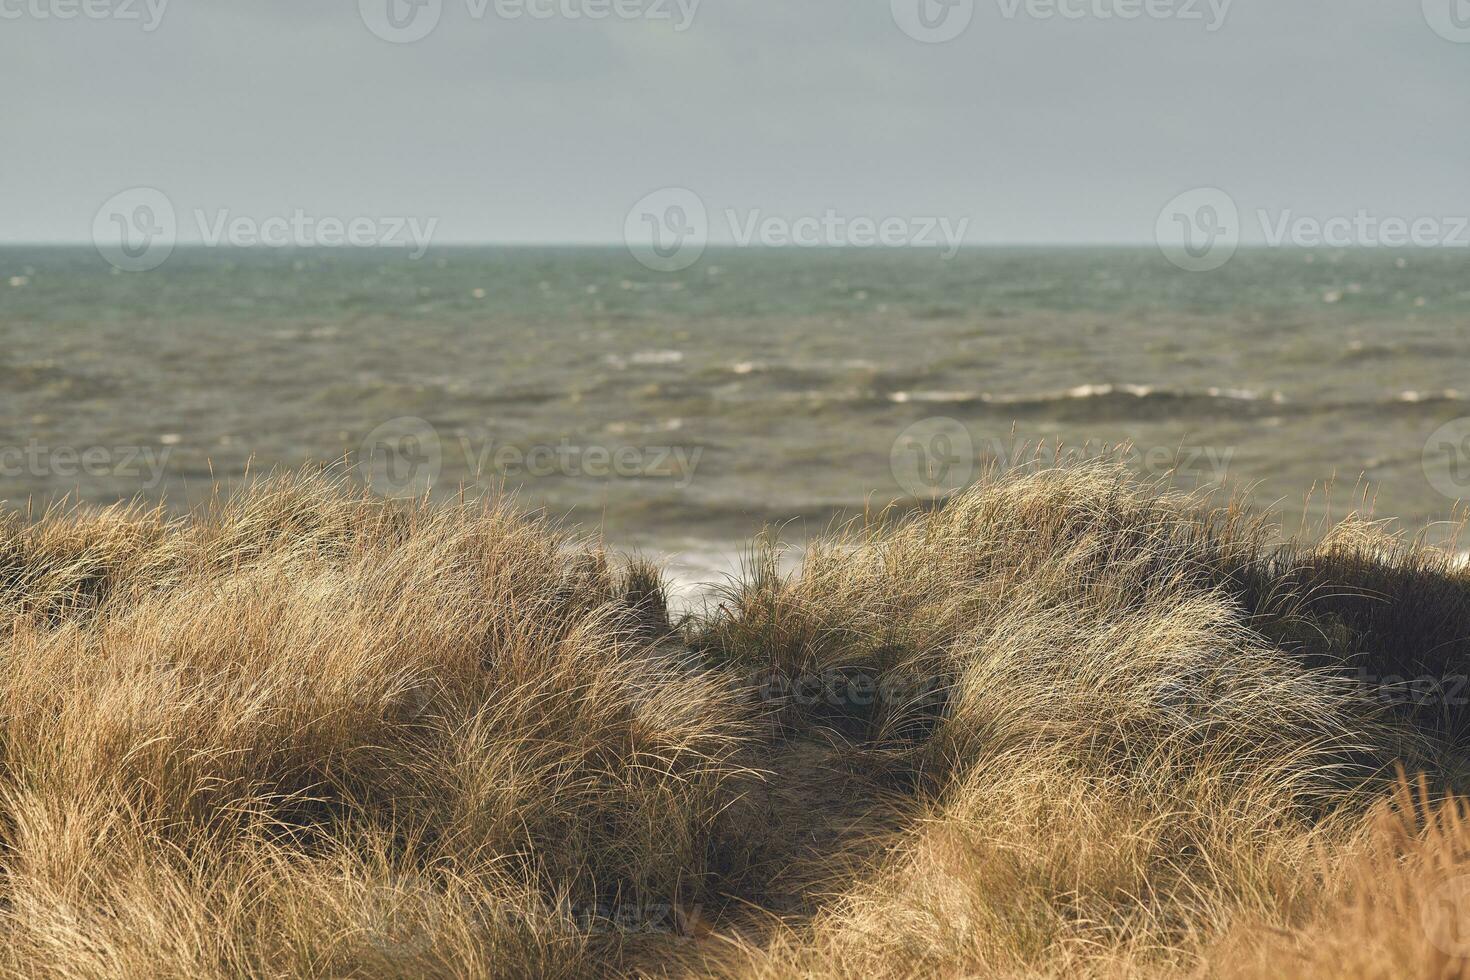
{"points": [[1064, 725]]}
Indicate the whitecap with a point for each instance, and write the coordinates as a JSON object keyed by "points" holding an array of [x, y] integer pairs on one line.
{"points": [[645, 358], [904, 397]]}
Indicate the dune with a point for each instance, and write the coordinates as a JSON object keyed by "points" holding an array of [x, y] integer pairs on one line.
{"points": [[1067, 724]]}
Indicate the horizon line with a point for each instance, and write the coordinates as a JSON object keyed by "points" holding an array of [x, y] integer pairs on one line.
{"points": [[725, 246]]}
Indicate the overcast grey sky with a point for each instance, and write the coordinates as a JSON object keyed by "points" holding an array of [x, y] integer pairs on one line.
{"points": [[1037, 127]]}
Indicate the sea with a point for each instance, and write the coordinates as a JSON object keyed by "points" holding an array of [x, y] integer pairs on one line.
{"points": [[679, 414]]}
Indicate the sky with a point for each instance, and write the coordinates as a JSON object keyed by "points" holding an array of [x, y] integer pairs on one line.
{"points": [[1030, 121]]}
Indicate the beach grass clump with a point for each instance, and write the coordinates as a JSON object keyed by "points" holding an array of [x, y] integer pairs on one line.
{"points": [[240, 723], [1065, 724], [1062, 610], [1124, 714]]}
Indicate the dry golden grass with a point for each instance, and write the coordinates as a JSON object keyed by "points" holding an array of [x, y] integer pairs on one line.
{"points": [[236, 745], [1064, 725]]}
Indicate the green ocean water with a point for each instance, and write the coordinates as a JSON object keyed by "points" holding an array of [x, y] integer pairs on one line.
{"points": [[679, 413]]}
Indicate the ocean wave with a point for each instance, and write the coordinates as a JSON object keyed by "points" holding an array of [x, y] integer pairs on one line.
{"points": [[1125, 401], [1413, 397], [808, 366], [1092, 393], [1361, 350], [645, 358], [644, 428], [954, 397]]}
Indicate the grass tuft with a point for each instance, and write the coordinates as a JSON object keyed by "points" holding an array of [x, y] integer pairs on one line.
{"points": [[1064, 724]]}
